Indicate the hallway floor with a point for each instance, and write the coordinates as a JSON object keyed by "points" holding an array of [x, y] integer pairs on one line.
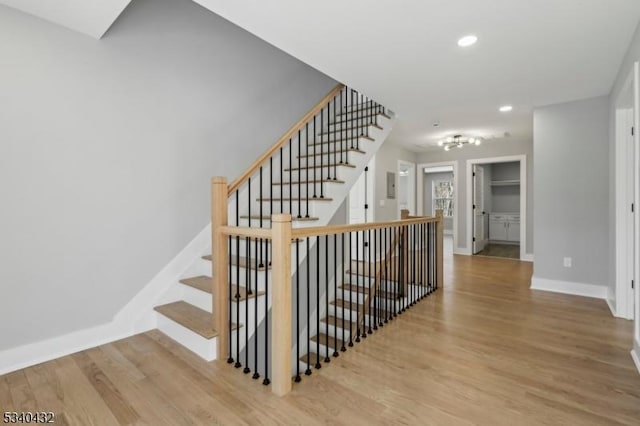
{"points": [[507, 251], [483, 350]]}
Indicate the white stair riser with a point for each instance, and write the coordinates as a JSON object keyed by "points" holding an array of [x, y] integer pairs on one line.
{"points": [[354, 124], [205, 348]]}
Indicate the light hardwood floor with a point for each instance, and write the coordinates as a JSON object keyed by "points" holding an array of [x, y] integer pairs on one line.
{"points": [[483, 350]]}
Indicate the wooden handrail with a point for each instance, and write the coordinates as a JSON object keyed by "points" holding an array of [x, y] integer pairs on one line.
{"points": [[239, 231], [283, 139], [318, 231]]}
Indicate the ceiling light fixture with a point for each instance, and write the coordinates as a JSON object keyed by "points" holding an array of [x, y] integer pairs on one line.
{"points": [[467, 41], [458, 141], [506, 108]]}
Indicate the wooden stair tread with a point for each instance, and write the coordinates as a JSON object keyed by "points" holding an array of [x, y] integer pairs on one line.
{"points": [[303, 182], [268, 218], [318, 154], [341, 139], [364, 116], [323, 341], [203, 283], [191, 317], [337, 322], [235, 259], [365, 290], [302, 199], [331, 132], [318, 166], [313, 358], [339, 303]]}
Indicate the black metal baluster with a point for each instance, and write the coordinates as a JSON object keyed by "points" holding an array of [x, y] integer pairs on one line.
{"points": [[297, 378], [322, 152], [249, 203], [357, 286], [376, 281], [236, 297], [291, 171], [270, 186], [335, 294], [308, 258], [343, 120], [260, 264], [352, 122], [299, 176], [317, 366], [335, 142], [350, 291], [343, 129], [281, 181], [429, 258], [315, 133], [326, 295], [369, 301], [230, 273], [247, 268], [309, 160], [266, 380], [344, 283], [386, 276]]}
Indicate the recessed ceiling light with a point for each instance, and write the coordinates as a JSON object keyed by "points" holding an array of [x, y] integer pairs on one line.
{"points": [[506, 108], [467, 41]]}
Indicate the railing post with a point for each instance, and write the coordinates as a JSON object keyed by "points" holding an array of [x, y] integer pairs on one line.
{"points": [[220, 262], [439, 248], [281, 304], [404, 214]]}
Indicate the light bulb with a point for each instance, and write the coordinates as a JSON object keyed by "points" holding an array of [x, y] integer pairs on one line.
{"points": [[447, 148], [472, 140], [478, 141], [467, 41], [440, 143]]}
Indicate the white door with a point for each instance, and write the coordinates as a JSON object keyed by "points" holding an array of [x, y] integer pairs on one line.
{"points": [[479, 233]]}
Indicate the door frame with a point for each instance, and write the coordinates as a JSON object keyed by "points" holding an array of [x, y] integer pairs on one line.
{"points": [[456, 194], [523, 199], [627, 267], [473, 211], [411, 191]]}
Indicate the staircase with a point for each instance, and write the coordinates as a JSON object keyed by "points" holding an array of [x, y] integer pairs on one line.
{"points": [[308, 174]]}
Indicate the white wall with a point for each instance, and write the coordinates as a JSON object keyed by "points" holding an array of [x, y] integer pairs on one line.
{"points": [[571, 189], [496, 148], [107, 148], [505, 199], [387, 161]]}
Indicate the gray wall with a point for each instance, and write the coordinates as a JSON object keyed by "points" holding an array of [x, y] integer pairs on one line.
{"points": [[428, 179], [633, 55], [505, 199], [387, 161], [571, 191], [107, 148], [497, 148]]}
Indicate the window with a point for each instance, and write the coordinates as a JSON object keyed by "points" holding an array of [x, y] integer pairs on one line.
{"points": [[442, 197]]}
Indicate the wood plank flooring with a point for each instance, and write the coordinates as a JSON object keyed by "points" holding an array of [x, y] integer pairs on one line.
{"points": [[484, 350], [509, 251]]}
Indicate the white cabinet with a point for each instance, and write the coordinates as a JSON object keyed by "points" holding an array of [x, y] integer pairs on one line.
{"points": [[504, 227]]}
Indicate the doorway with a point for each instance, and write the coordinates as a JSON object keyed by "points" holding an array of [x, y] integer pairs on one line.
{"points": [[497, 203], [437, 188], [406, 188], [622, 302]]}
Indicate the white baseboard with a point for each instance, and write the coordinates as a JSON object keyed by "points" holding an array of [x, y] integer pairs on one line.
{"points": [[610, 305], [567, 287], [528, 257], [635, 354], [136, 317], [462, 251]]}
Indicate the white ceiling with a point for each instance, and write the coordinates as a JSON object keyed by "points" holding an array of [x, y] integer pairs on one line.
{"points": [[404, 53], [90, 17]]}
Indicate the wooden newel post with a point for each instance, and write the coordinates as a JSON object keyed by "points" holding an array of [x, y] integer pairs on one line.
{"points": [[404, 214], [439, 248], [220, 261], [281, 304]]}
